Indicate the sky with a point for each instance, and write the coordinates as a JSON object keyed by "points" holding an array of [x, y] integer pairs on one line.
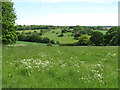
{"points": [[67, 12]]}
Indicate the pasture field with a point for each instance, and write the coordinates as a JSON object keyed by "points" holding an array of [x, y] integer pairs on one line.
{"points": [[38, 30], [67, 38], [102, 31], [34, 66]]}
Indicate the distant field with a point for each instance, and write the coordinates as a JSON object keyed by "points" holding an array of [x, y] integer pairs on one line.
{"points": [[67, 38], [34, 66], [29, 31], [102, 31]]}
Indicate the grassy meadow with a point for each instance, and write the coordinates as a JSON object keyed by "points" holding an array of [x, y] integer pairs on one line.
{"points": [[67, 38], [39, 66], [38, 30], [102, 31]]}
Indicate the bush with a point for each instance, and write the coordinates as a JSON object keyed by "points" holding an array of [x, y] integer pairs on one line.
{"points": [[46, 40], [84, 40], [52, 41], [64, 31], [49, 44], [52, 31], [76, 38], [57, 42], [40, 34], [61, 35]]}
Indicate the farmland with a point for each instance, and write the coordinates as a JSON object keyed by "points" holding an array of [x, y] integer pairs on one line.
{"points": [[102, 31], [39, 66], [67, 38]]}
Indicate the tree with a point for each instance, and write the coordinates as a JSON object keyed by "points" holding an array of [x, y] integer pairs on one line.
{"points": [[52, 41], [84, 40], [100, 27], [112, 37], [97, 38], [8, 20], [46, 40], [61, 35]]}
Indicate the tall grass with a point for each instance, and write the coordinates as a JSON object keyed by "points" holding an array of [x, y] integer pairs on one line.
{"points": [[34, 66]]}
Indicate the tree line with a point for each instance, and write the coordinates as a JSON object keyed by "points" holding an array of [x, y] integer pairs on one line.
{"points": [[77, 27]]}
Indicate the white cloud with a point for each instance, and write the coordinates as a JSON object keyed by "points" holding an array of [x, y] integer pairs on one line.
{"points": [[73, 19]]}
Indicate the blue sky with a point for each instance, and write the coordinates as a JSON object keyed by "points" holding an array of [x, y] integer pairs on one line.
{"points": [[67, 12]]}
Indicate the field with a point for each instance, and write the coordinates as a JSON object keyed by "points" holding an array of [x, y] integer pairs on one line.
{"points": [[39, 66], [22, 43], [28, 31], [102, 31], [67, 38]]}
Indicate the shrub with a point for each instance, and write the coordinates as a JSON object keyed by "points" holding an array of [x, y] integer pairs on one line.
{"points": [[61, 35], [52, 41], [46, 40], [57, 42], [52, 31], [84, 40], [49, 44]]}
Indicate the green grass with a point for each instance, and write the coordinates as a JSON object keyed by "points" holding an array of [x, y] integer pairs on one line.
{"points": [[67, 38], [102, 31], [34, 66], [29, 31], [28, 43]]}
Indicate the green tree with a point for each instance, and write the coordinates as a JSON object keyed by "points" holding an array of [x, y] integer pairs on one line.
{"points": [[46, 40], [97, 38], [84, 40], [52, 41], [112, 37], [8, 20], [100, 27]]}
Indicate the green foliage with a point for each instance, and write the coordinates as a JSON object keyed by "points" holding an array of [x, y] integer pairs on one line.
{"points": [[52, 41], [57, 42], [112, 37], [64, 40], [64, 31], [61, 35], [49, 44], [96, 38], [100, 27], [84, 40], [8, 20], [46, 40]]}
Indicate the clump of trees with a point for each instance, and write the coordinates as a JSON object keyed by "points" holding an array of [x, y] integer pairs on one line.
{"points": [[33, 37], [96, 38], [112, 37]]}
